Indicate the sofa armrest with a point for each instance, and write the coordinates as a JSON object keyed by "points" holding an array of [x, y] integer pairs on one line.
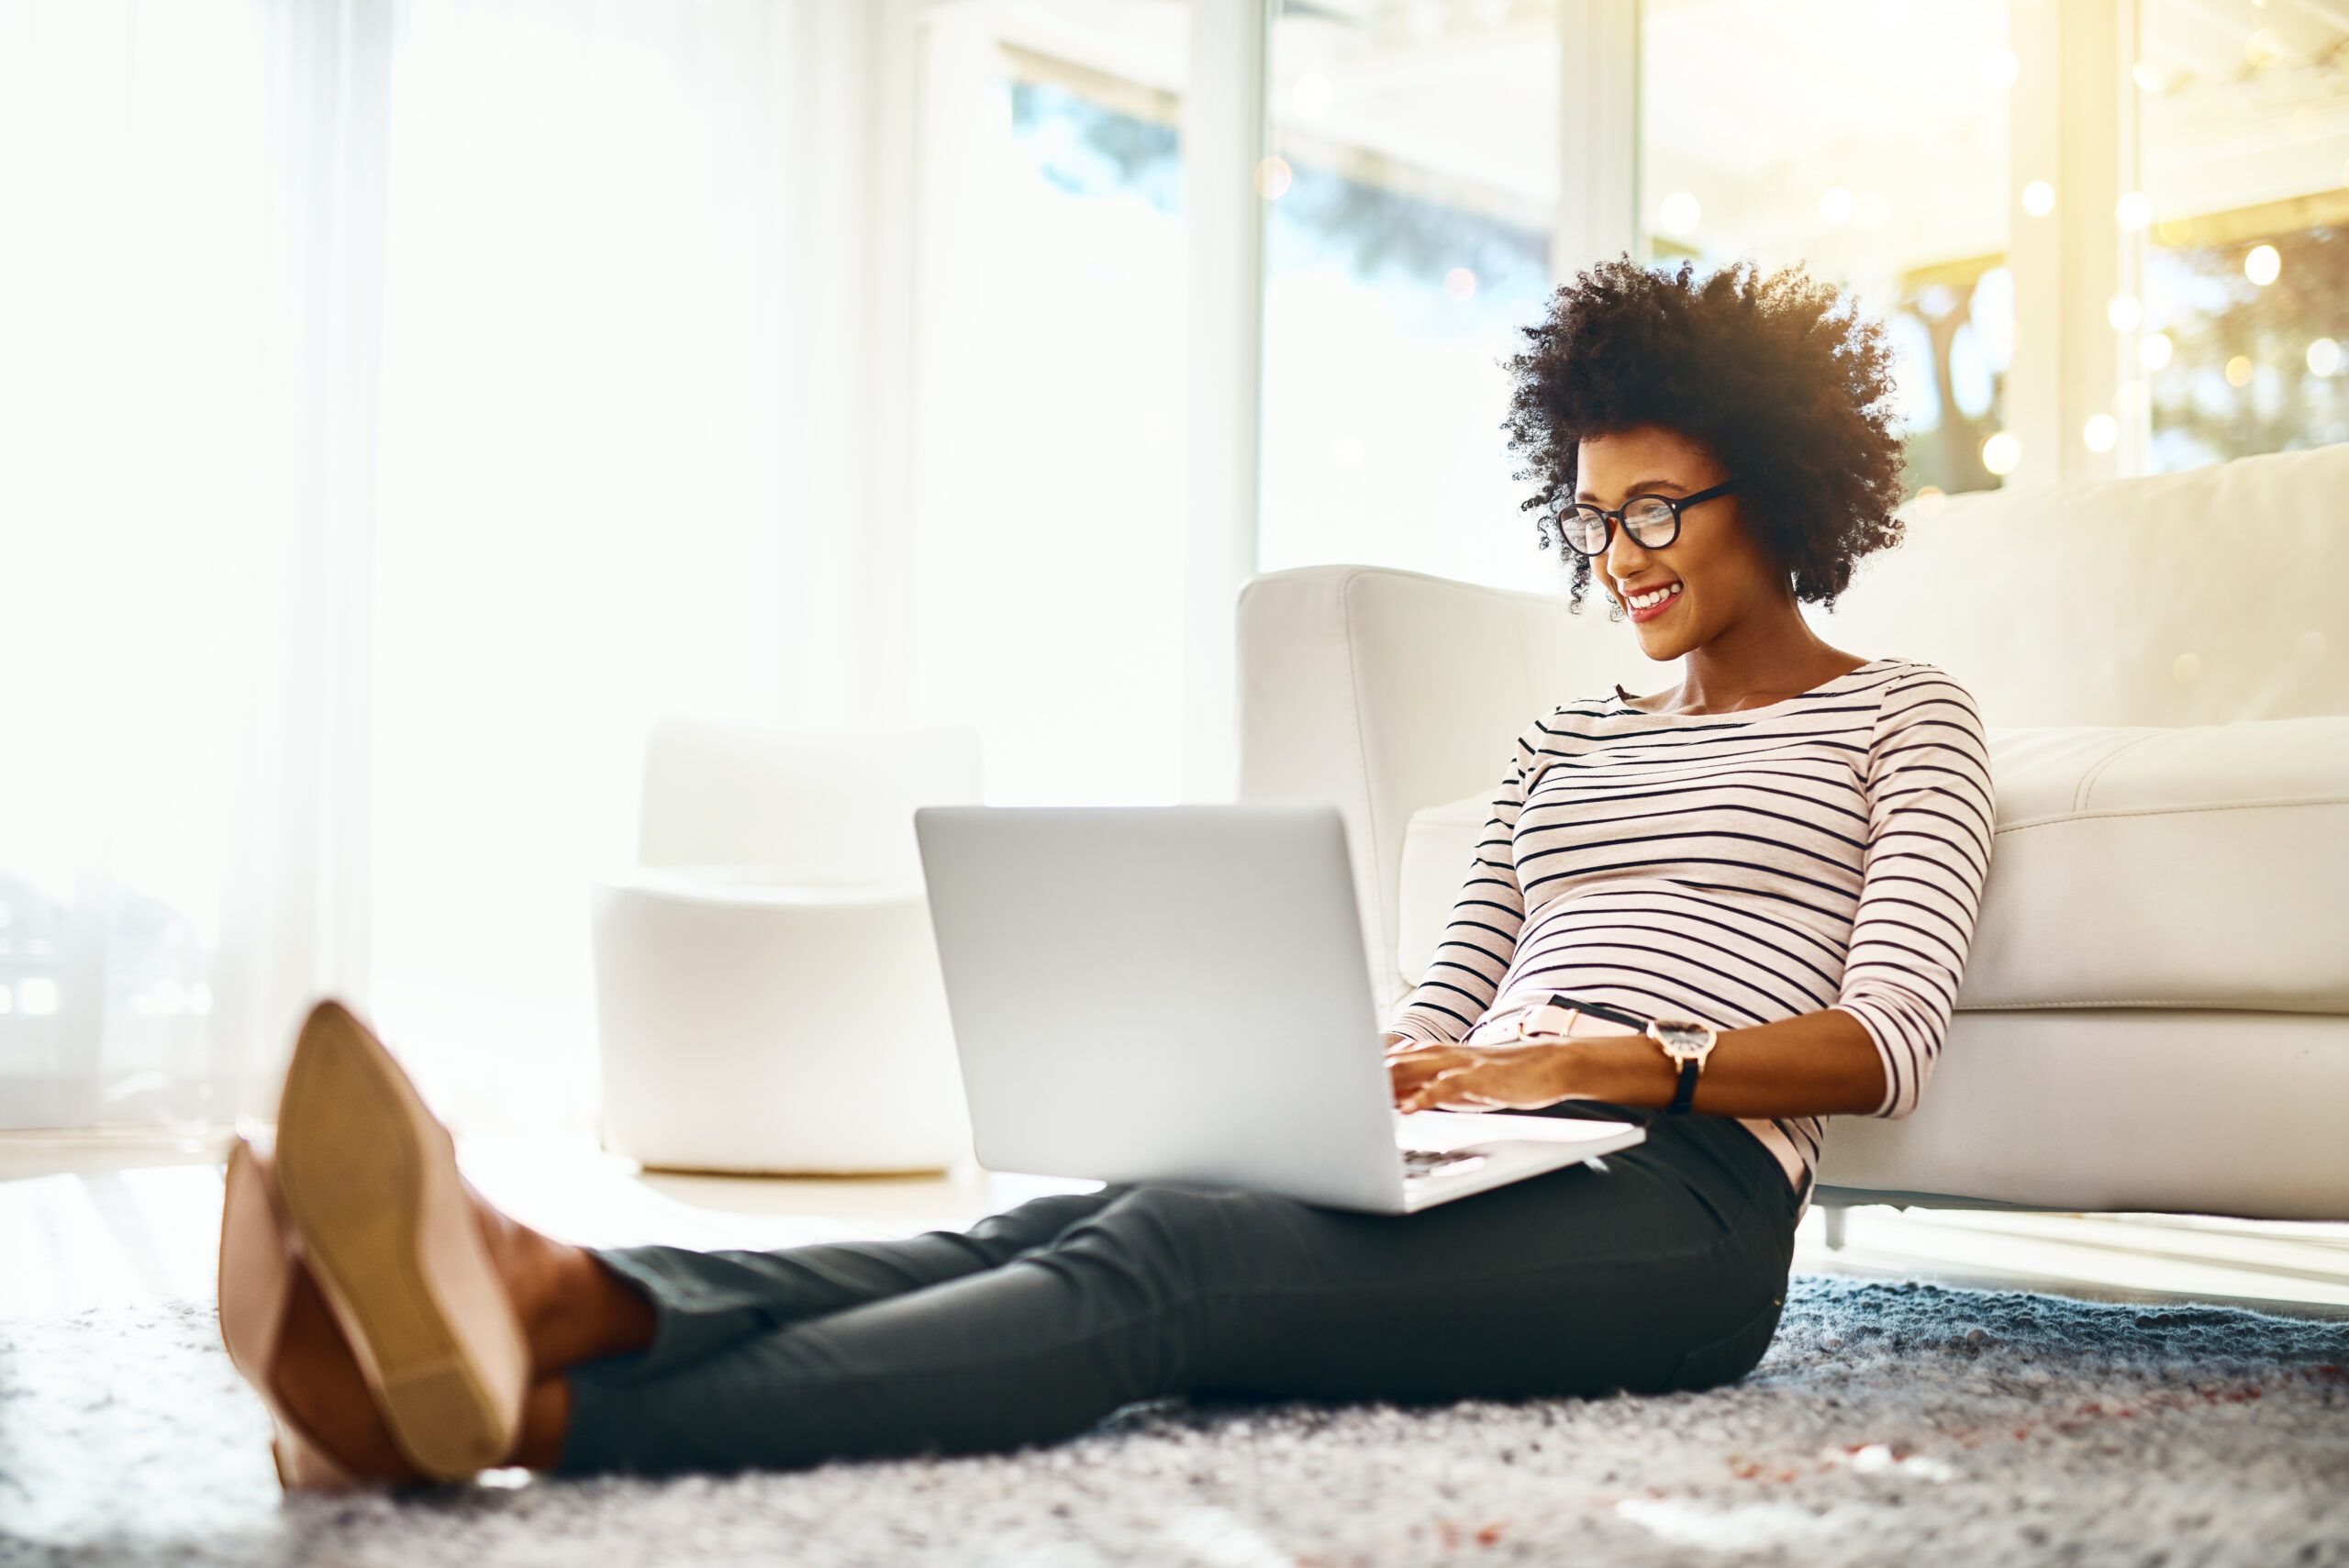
{"points": [[1385, 691]]}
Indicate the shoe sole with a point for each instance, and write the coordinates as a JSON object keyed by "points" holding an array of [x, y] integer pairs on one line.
{"points": [[371, 1181], [255, 1279], [252, 1270]]}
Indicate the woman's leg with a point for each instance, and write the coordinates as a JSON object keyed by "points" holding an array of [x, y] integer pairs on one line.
{"points": [[578, 1304], [1662, 1266], [730, 1294]]}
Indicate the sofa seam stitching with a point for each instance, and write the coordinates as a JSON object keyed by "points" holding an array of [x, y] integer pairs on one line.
{"points": [[2087, 783], [2062, 817]]}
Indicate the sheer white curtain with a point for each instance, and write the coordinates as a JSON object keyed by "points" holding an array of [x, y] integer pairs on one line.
{"points": [[148, 551], [400, 404]]}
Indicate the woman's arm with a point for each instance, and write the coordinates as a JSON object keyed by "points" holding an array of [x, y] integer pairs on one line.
{"points": [[1869, 1052], [1821, 1063]]}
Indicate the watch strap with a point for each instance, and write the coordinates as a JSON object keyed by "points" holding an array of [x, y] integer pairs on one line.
{"points": [[1685, 1094]]}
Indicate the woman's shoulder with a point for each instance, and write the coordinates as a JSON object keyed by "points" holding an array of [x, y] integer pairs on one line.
{"points": [[1925, 700], [1921, 678], [1568, 718]]}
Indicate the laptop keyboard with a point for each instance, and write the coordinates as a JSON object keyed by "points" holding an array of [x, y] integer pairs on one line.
{"points": [[1426, 1162]]}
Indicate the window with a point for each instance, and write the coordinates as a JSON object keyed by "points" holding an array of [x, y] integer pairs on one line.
{"points": [[2245, 116], [575, 485], [387, 432], [1413, 183], [1869, 142], [1052, 357]]}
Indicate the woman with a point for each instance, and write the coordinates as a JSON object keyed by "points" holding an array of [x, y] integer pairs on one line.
{"points": [[1776, 860]]}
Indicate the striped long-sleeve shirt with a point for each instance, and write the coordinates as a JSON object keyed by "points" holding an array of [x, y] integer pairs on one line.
{"points": [[1827, 850]]}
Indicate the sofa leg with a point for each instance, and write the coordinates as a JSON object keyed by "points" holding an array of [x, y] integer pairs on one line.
{"points": [[1834, 1228]]}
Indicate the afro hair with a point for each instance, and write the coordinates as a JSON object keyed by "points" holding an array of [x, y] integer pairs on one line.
{"points": [[1794, 399]]}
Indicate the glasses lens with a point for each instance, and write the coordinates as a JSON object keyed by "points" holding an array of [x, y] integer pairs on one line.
{"points": [[1650, 520], [1583, 529]]}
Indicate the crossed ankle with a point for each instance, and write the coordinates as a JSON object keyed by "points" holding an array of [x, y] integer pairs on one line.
{"points": [[546, 1412], [594, 1312], [572, 1309]]}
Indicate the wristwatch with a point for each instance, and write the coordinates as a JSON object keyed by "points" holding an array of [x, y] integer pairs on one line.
{"points": [[1688, 1041]]}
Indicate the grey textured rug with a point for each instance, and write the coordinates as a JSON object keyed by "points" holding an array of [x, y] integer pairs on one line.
{"points": [[1889, 1421]]}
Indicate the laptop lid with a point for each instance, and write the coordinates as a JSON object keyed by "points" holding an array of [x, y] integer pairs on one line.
{"points": [[1154, 992]]}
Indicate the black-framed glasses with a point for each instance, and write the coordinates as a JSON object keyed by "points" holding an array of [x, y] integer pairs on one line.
{"points": [[1653, 520]]}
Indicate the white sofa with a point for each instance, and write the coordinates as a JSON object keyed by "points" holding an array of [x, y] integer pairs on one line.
{"points": [[2154, 1016]]}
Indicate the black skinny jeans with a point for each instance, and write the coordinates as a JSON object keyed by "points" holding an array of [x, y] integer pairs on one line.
{"points": [[1662, 1266]]}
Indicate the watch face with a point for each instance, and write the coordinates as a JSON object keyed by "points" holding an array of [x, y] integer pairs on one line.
{"points": [[1680, 1038]]}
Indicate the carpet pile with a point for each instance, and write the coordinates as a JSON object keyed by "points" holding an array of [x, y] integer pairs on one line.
{"points": [[1890, 1421]]}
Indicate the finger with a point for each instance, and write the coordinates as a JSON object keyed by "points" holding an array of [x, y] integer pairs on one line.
{"points": [[1412, 1074], [1439, 1090], [1486, 1085]]}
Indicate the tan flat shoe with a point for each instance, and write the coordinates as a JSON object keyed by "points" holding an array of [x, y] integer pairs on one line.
{"points": [[370, 1179], [257, 1273]]}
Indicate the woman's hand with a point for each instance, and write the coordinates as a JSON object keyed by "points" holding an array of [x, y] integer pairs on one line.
{"points": [[1480, 1077]]}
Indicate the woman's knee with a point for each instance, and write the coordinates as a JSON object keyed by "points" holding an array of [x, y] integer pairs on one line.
{"points": [[1180, 1211], [1728, 1357], [1035, 1223]]}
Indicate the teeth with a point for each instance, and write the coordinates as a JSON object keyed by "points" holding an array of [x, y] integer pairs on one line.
{"points": [[1656, 598]]}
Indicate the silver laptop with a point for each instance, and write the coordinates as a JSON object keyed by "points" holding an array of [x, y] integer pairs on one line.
{"points": [[1179, 993]]}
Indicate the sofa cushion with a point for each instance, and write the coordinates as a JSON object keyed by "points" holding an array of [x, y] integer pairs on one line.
{"points": [[2206, 866]]}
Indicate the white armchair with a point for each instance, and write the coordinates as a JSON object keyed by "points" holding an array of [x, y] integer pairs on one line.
{"points": [[768, 996], [2155, 1013]]}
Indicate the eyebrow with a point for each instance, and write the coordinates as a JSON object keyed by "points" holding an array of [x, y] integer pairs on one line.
{"points": [[1635, 489]]}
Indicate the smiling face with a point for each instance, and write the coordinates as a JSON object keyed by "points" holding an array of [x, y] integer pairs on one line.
{"points": [[1722, 572]]}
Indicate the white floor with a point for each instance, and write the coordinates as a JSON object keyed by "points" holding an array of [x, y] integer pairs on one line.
{"points": [[84, 1223]]}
